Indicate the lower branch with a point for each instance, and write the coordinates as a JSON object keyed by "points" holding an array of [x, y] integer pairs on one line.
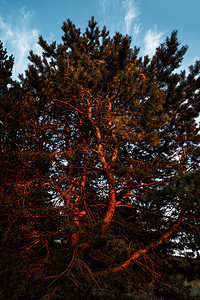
{"points": [[146, 249]]}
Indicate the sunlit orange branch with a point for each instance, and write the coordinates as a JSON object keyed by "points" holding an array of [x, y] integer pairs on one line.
{"points": [[146, 249], [112, 196]]}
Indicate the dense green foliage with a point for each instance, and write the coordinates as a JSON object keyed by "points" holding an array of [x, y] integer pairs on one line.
{"points": [[100, 178]]}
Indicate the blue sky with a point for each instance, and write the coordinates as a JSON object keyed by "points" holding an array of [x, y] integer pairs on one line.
{"points": [[148, 22]]}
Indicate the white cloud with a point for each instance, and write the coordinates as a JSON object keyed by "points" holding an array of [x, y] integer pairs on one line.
{"points": [[109, 5], [19, 40], [152, 40], [27, 15], [136, 29], [123, 16], [7, 31], [131, 13], [120, 15], [111, 14]]}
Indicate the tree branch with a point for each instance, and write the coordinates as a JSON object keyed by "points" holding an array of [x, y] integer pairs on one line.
{"points": [[146, 249], [112, 195]]}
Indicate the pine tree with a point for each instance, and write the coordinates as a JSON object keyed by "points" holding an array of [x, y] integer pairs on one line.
{"points": [[118, 139]]}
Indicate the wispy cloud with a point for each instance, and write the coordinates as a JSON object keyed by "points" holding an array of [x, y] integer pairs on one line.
{"points": [[152, 40], [124, 16], [112, 14], [5, 28], [19, 40], [103, 5], [121, 16], [136, 29], [109, 5], [131, 13]]}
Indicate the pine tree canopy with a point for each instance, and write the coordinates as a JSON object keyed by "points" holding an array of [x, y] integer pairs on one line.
{"points": [[99, 163]]}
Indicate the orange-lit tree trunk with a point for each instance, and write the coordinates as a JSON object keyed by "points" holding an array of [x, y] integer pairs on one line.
{"points": [[110, 178]]}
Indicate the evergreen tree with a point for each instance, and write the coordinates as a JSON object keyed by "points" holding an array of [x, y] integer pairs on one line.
{"points": [[115, 139]]}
